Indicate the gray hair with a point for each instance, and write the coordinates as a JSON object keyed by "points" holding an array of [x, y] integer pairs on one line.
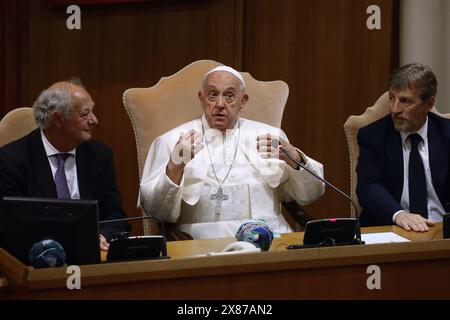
{"points": [[415, 75], [54, 100], [49, 102]]}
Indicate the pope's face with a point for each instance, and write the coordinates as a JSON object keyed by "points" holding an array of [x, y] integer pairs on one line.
{"points": [[222, 99]]}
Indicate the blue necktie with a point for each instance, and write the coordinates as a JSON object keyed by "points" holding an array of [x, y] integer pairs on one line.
{"points": [[417, 184], [62, 189]]}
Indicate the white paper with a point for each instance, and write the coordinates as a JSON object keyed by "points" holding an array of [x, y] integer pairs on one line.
{"points": [[382, 237]]}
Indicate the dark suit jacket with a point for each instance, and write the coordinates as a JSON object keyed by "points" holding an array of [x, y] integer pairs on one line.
{"points": [[380, 167], [25, 171]]}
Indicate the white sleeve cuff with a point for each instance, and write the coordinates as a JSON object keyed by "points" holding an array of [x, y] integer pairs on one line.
{"points": [[395, 215]]}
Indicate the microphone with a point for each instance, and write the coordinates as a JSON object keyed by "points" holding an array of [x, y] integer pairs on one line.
{"points": [[47, 254], [353, 227], [321, 179], [161, 223]]}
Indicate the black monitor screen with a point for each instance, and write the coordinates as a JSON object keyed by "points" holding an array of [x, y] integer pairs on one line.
{"points": [[72, 223], [340, 230]]}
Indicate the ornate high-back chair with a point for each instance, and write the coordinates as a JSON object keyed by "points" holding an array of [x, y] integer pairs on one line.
{"points": [[351, 128], [16, 124], [174, 100]]}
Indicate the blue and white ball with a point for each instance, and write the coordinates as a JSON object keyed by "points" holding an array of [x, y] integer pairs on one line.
{"points": [[47, 254], [257, 232]]}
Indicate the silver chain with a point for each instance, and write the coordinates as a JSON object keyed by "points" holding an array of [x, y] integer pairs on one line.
{"points": [[234, 157]]}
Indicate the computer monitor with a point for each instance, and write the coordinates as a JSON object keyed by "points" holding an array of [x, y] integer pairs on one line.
{"points": [[72, 223]]}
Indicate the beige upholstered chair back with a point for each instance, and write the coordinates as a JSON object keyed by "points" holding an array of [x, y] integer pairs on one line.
{"points": [[351, 128], [16, 124], [174, 100]]}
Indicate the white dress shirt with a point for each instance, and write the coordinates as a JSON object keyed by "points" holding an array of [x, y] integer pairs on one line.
{"points": [[255, 186], [435, 208], [70, 167]]}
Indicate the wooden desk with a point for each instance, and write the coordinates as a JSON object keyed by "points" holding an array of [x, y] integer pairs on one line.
{"points": [[414, 270]]}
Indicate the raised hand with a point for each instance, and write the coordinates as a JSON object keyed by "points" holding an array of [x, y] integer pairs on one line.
{"points": [[187, 146], [271, 146]]}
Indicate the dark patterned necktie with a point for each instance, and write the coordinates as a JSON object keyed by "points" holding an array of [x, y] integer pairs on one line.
{"points": [[417, 184], [62, 189]]}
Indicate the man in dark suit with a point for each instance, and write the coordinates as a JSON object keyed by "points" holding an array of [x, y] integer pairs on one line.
{"points": [[59, 159], [403, 165]]}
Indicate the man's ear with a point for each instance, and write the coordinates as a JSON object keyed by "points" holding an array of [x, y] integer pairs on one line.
{"points": [[430, 103], [244, 101], [57, 120]]}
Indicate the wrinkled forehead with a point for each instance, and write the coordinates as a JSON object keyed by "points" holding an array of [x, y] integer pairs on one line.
{"points": [[223, 82], [400, 86], [407, 91]]}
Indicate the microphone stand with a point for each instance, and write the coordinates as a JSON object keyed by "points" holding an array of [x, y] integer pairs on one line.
{"points": [[321, 179], [323, 243]]}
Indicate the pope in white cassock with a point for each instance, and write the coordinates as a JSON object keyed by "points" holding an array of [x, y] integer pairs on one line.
{"points": [[211, 174]]}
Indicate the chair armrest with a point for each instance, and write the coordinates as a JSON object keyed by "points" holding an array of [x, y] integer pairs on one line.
{"points": [[174, 234]]}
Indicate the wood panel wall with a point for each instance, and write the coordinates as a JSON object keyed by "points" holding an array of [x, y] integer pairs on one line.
{"points": [[333, 64], [335, 67]]}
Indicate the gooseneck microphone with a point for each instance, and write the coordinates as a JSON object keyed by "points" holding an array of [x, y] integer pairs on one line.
{"points": [[345, 226], [321, 179], [161, 223]]}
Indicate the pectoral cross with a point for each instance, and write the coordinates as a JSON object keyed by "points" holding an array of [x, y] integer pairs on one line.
{"points": [[219, 197]]}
